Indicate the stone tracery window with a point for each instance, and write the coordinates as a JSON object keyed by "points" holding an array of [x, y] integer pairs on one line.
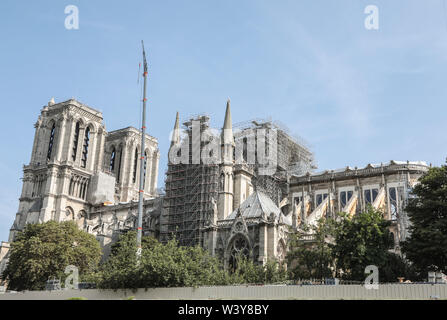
{"points": [[239, 249]]}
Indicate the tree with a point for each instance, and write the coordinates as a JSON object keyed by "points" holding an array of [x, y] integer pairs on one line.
{"points": [[171, 265], [248, 272], [426, 247], [365, 240], [311, 259], [161, 265], [43, 251]]}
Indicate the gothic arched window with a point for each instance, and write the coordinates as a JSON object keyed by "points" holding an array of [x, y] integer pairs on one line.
{"points": [[112, 160], [75, 141], [239, 250], [135, 163], [85, 147], [51, 143]]}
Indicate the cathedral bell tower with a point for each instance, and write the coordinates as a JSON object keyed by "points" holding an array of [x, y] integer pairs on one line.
{"points": [[225, 203]]}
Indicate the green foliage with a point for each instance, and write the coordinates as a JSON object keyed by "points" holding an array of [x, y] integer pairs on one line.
{"points": [[365, 240], [311, 259], [427, 246], [171, 265], [160, 265], [344, 247], [43, 251], [247, 272]]}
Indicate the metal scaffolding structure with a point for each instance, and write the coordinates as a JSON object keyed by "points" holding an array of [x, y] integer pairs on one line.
{"points": [[189, 189]]}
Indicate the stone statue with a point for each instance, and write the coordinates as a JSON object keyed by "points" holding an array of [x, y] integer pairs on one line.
{"points": [[213, 219]]}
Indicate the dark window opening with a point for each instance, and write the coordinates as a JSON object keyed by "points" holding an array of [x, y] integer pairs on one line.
{"points": [[51, 143], [393, 203], [321, 198], [345, 196], [144, 169], [244, 149], [370, 195], [135, 163], [85, 148], [75, 142], [112, 160], [119, 166]]}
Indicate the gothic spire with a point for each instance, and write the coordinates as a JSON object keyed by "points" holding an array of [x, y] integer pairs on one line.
{"points": [[227, 122], [227, 133], [176, 132]]}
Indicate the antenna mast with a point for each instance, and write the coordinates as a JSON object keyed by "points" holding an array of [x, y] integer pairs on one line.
{"points": [[142, 160]]}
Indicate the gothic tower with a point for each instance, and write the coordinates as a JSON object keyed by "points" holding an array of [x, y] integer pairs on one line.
{"points": [[226, 182], [77, 165], [67, 152]]}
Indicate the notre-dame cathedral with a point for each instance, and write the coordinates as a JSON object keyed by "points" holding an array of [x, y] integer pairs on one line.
{"points": [[241, 190]]}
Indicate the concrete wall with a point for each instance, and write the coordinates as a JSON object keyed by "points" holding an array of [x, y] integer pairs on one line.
{"points": [[309, 292]]}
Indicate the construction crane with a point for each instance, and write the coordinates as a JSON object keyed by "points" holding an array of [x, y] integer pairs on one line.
{"points": [[142, 160]]}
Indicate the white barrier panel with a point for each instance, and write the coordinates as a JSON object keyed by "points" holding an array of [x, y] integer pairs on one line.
{"points": [[267, 292]]}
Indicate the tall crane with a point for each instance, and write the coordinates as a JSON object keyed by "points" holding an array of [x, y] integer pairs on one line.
{"points": [[142, 159]]}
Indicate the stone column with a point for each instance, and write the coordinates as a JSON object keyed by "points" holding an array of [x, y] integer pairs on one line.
{"points": [[101, 137], [61, 138], [68, 147], [263, 243], [155, 172], [94, 137], [147, 182], [37, 125]]}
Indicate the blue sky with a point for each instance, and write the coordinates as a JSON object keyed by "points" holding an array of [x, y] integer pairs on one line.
{"points": [[356, 96]]}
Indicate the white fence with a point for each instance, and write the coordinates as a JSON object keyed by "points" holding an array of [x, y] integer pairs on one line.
{"points": [[267, 292]]}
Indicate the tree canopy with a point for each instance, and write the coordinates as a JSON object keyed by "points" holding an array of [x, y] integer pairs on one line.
{"points": [[171, 265], [426, 247], [311, 259], [43, 251], [365, 239], [343, 247]]}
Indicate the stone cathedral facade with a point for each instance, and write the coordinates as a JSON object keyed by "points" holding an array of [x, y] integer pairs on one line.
{"points": [[78, 168], [81, 172]]}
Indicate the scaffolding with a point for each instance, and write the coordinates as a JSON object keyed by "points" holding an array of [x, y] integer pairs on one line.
{"points": [[292, 156], [189, 190]]}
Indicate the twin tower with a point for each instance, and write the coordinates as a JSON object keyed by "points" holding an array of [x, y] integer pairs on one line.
{"points": [[76, 166]]}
